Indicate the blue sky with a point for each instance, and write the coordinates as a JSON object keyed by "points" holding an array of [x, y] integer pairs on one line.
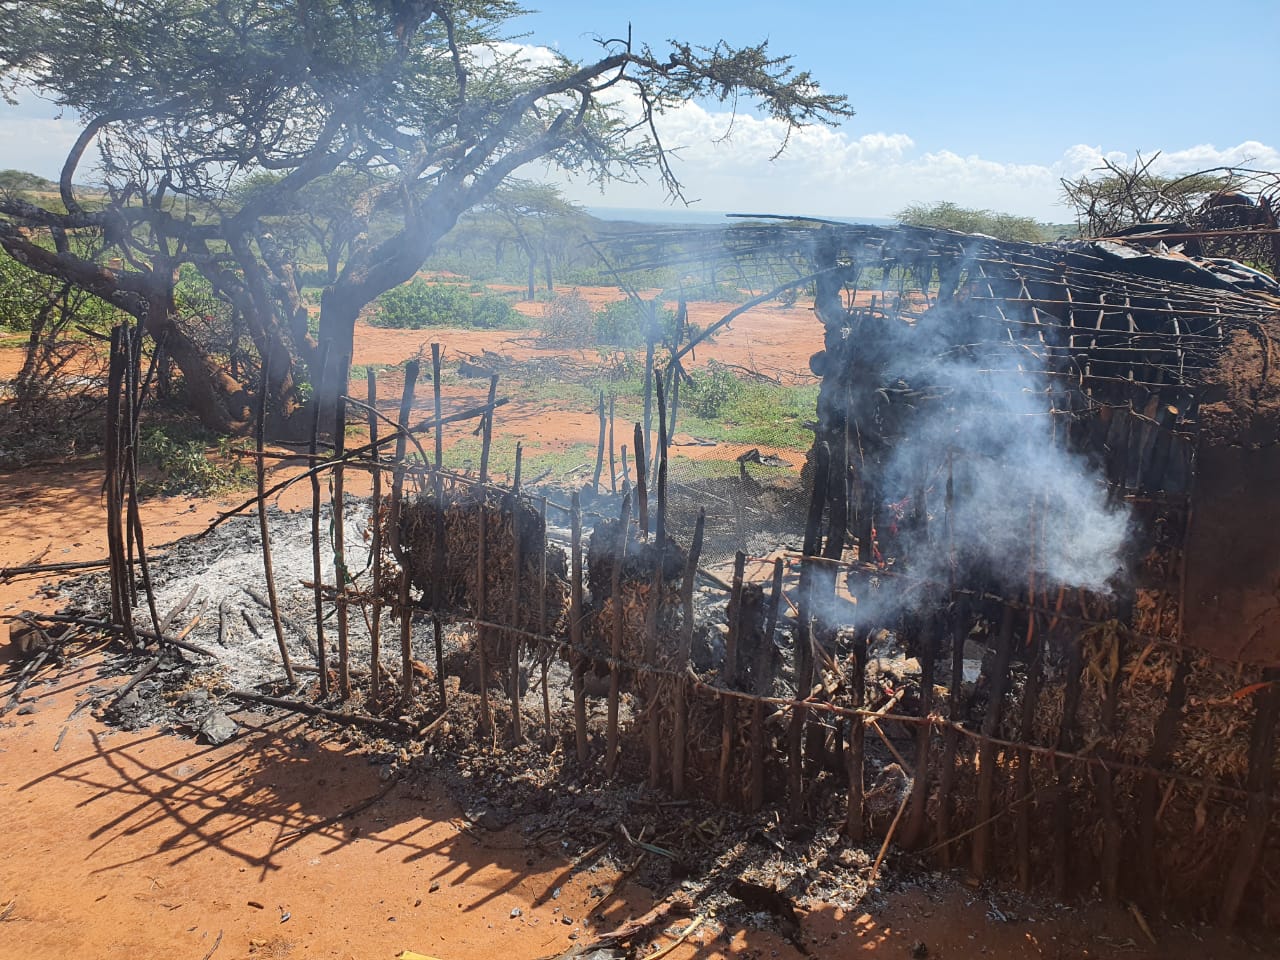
{"points": [[1009, 79], [983, 103]]}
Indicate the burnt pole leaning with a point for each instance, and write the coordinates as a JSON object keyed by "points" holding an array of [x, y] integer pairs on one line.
{"points": [[317, 572], [680, 726], [616, 637], [482, 561], [578, 661], [437, 558], [517, 728], [653, 737], [397, 498], [260, 430], [340, 578], [375, 546], [803, 638]]}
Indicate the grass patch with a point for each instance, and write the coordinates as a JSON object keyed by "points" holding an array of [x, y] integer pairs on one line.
{"points": [[189, 462], [688, 470], [759, 414]]}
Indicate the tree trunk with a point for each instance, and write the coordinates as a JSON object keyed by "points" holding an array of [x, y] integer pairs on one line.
{"points": [[339, 311], [220, 402]]}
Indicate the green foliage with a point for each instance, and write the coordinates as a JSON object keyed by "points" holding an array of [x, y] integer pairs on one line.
{"points": [[28, 297], [624, 323], [420, 304], [184, 464], [760, 414], [238, 135], [951, 216], [712, 389]]}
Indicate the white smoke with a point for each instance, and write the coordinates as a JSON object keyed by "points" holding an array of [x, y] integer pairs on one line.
{"points": [[1025, 506]]}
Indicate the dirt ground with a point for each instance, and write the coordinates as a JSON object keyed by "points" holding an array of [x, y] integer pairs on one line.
{"points": [[283, 843]]}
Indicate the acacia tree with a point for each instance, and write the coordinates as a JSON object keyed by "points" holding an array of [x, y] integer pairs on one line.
{"points": [[951, 216], [539, 220], [185, 99]]}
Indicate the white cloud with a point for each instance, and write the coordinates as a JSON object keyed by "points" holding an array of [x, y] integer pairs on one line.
{"points": [[724, 162], [37, 144]]}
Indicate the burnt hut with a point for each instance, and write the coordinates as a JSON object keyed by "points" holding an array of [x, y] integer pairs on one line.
{"points": [[1052, 466]]}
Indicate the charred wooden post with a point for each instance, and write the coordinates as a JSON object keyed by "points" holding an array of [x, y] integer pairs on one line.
{"points": [[855, 750], [804, 639], [729, 677], [438, 560], [755, 793], [595, 478], [517, 731], [133, 407], [642, 490], [544, 643], [121, 612], [341, 579], [1104, 785], [919, 804], [317, 572], [482, 562], [999, 682], [680, 725], [1259, 784], [1026, 733], [397, 500], [1149, 792], [482, 633], [615, 644], [650, 681], [578, 662], [126, 429], [613, 462], [259, 435], [375, 546], [1067, 737], [486, 430], [959, 612]]}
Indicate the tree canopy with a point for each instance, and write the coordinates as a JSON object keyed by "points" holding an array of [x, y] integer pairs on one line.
{"points": [[951, 216], [379, 122]]}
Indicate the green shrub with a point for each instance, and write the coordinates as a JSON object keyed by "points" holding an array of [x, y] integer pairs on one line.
{"points": [[714, 388], [184, 464], [622, 323], [419, 304]]}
